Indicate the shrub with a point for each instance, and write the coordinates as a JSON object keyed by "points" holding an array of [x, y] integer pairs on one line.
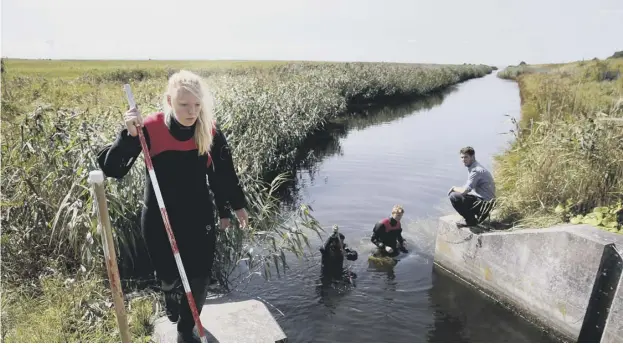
{"points": [[566, 151]]}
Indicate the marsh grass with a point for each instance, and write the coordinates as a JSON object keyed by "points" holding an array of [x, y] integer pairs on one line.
{"points": [[57, 115], [76, 309], [565, 153], [513, 72]]}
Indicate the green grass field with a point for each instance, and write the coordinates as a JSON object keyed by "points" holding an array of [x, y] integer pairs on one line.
{"points": [[76, 68], [57, 114]]}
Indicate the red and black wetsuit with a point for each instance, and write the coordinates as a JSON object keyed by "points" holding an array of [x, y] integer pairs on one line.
{"points": [[387, 231], [181, 175]]}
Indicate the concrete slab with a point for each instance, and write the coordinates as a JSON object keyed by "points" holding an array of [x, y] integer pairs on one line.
{"points": [[613, 332], [227, 321], [548, 275]]}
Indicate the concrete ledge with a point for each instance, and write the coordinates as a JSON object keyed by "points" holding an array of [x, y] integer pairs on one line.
{"points": [[613, 333], [552, 276], [227, 321]]}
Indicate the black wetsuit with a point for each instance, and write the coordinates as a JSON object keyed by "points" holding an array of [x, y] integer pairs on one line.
{"points": [[181, 175], [388, 232], [333, 258]]}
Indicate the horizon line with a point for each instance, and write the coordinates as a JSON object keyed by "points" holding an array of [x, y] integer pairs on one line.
{"points": [[280, 60]]}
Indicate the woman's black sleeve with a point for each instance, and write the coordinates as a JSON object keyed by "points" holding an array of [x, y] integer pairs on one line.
{"points": [[223, 179], [116, 159]]}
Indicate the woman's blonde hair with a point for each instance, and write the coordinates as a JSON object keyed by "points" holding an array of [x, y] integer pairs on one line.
{"points": [[194, 84]]}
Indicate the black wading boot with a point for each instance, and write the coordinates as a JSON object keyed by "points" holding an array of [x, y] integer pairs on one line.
{"points": [[173, 295], [188, 337], [465, 223], [186, 329]]}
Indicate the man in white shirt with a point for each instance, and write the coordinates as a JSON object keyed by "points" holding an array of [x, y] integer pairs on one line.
{"points": [[473, 200]]}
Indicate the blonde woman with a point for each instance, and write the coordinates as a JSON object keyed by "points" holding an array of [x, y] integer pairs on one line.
{"points": [[387, 234], [185, 145]]}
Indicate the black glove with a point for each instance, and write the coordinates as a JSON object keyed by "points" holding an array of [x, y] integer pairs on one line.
{"points": [[351, 255]]}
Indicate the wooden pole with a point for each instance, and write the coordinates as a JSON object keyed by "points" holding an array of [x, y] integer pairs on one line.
{"points": [[96, 179]]}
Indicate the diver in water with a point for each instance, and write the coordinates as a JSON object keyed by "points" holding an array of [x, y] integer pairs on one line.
{"points": [[387, 234], [333, 253]]}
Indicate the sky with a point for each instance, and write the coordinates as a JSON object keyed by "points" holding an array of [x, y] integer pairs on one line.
{"points": [[494, 32]]}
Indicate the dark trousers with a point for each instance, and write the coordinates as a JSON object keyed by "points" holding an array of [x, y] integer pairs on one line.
{"points": [[473, 209], [198, 259], [199, 287]]}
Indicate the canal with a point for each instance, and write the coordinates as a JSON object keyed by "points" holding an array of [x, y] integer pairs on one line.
{"points": [[408, 155]]}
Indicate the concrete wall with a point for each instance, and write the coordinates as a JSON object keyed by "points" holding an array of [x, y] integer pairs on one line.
{"points": [[548, 275], [613, 333]]}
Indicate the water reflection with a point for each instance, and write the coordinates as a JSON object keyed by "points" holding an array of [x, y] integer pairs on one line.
{"points": [[461, 317], [329, 291], [325, 143]]}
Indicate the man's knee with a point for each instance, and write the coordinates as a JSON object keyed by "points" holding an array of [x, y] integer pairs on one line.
{"points": [[456, 197]]}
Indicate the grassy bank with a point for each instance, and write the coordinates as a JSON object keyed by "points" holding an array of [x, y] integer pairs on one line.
{"points": [[513, 72], [57, 114], [566, 164]]}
